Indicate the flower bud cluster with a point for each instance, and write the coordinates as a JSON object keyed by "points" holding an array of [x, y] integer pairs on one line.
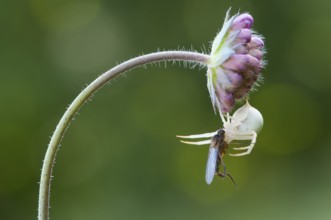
{"points": [[235, 62]]}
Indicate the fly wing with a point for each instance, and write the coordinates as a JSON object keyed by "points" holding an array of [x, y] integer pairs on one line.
{"points": [[211, 163]]}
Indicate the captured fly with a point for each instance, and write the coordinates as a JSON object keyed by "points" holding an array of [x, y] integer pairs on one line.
{"points": [[216, 151]]}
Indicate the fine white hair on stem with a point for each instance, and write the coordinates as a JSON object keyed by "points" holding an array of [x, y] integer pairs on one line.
{"points": [[85, 95]]}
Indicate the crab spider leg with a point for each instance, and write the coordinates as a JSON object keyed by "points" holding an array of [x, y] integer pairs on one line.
{"points": [[223, 119], [240, 148], [249, 148], [240, 135], [205, 135], [228, 117], [245, 137], [227, 120], [196, 142]]}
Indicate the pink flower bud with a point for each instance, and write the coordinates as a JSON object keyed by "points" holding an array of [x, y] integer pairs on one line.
{"points": [[228, 80], [242, 49], [235, 78], [257, 53], [225, 98], [241, 62], [241, 92], [248, 83], [244, 36], [249, 74], [256, 42], [227, 101], [242, 21]]}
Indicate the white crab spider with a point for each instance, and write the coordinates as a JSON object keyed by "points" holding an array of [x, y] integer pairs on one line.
{"points": [[244, 124]]}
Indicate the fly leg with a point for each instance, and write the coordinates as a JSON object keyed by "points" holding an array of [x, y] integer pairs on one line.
{"points": [[220, 161], [224, 174]]}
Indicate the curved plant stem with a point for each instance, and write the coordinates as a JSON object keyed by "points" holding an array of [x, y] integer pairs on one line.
{"points": [[46, 173]]}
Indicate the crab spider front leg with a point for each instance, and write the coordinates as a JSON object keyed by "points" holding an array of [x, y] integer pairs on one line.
{"points": [[225, 118], [245, 136], [195, 136], [205, 142]]}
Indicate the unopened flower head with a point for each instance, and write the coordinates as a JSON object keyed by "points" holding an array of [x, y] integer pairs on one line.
{"points": [[235, 62]]}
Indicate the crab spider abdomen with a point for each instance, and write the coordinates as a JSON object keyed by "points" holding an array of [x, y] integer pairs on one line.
{"points": [[248, 118]]}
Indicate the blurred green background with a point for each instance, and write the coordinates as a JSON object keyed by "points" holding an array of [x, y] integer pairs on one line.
{"points": [[120, 159]]}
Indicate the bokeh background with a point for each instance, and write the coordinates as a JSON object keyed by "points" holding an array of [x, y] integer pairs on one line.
{"points": [[120, 158]]}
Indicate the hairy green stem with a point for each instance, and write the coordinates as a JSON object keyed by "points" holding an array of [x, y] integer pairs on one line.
{"points": [[46, 173]]}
